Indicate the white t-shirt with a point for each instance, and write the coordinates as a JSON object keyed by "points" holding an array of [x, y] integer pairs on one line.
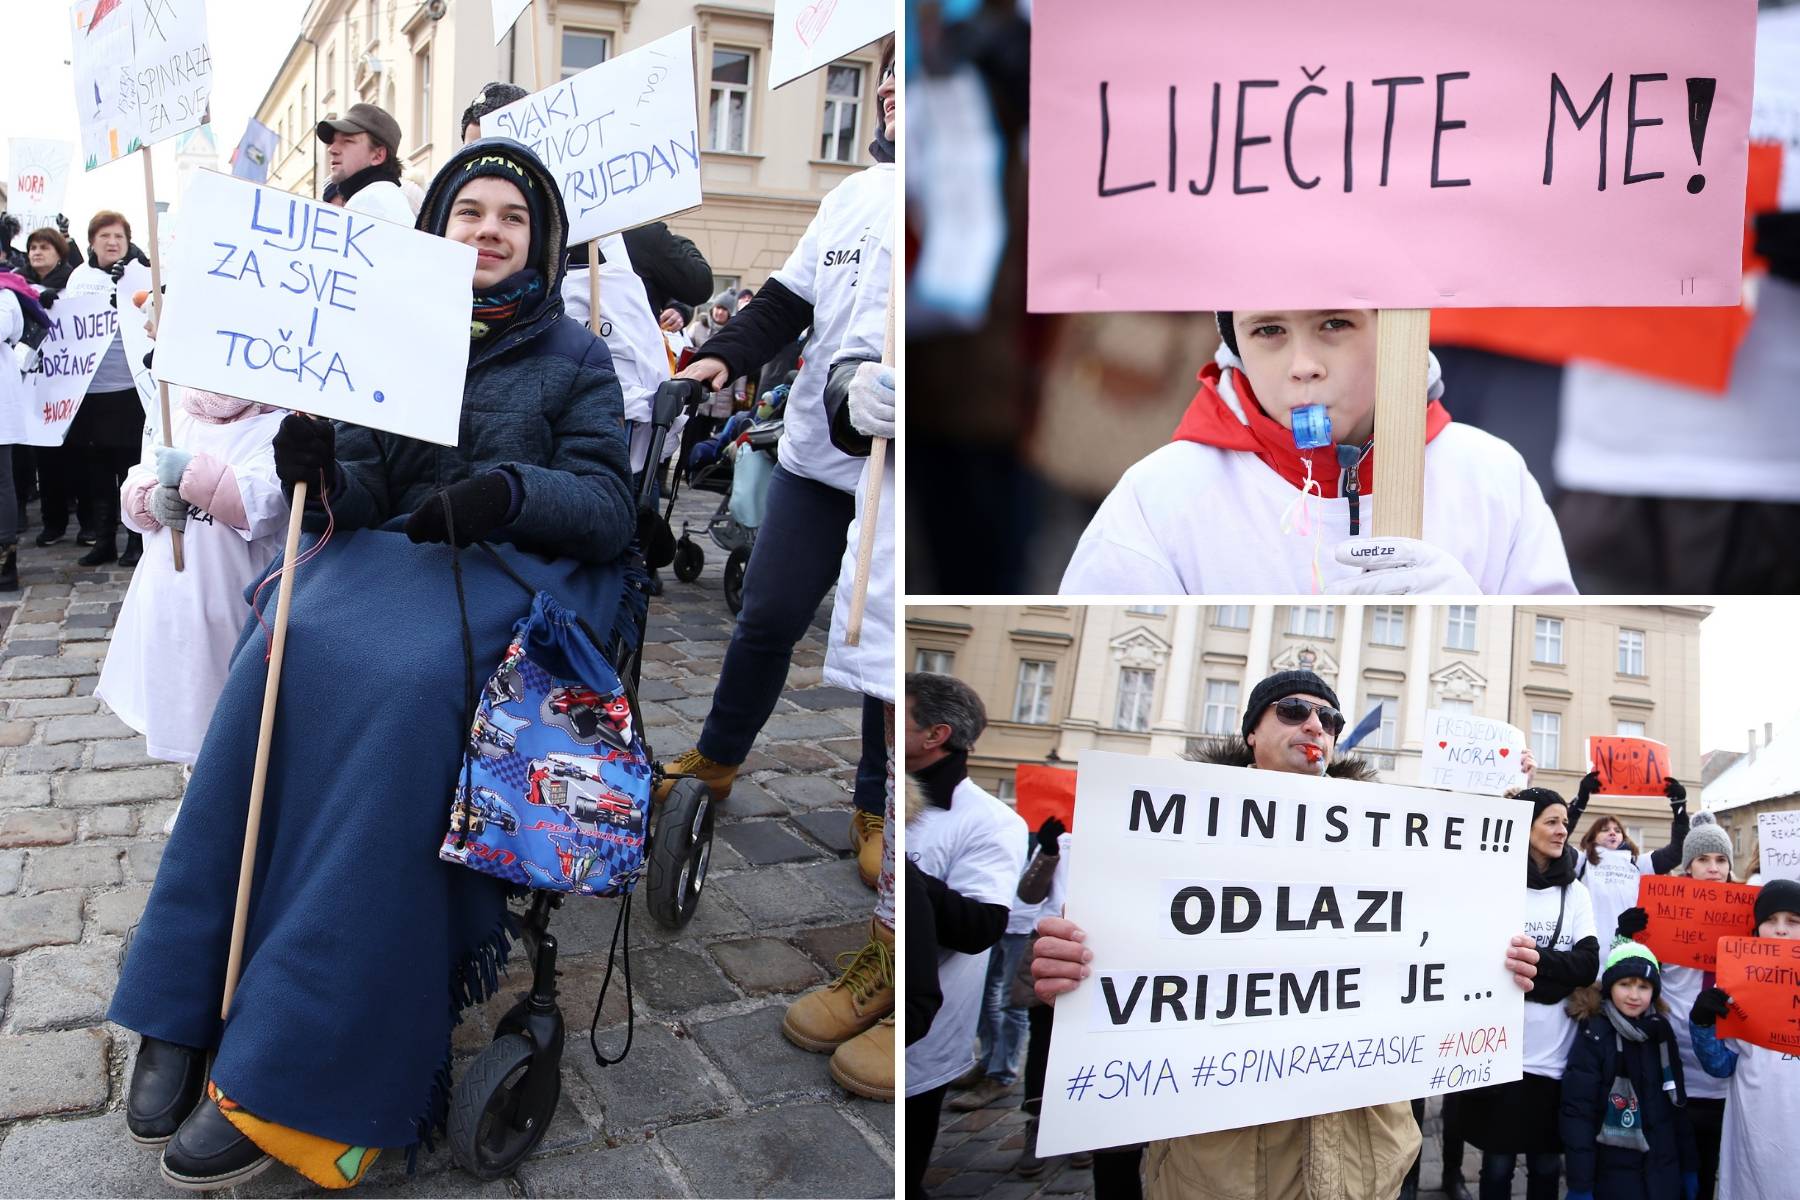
{"points": [[385, 201], [844, 244], [1549, 1029], [1762, 1121], [1196, 520], [1681, 986], [1612, 885], [977, 847]]}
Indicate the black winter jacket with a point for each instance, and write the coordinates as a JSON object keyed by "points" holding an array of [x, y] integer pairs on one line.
{"points": [[1612, 1173]]}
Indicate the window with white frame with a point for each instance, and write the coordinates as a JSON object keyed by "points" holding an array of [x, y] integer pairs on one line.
{"points": [[1313, 620], [1221, 712], [1008, 788], [843, 113], [422, 96], [1231, 616], [1136, 687], [1387, 625], [1631, 652], [1546, 739], [330, 74], [1459, 626], [1031, 702], [1386, 734], [728, 109], [1462, 708], [583, 48], [372, 18], [1148, 610], [1547, 641], [934, 662], [1630, 729]]}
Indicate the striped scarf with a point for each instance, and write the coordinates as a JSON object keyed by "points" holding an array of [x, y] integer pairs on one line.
{"points": [[497, 308]]}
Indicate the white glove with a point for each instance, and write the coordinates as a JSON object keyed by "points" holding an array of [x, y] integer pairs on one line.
{"points": [[167, 506], [872, 400], [1397, 566]]}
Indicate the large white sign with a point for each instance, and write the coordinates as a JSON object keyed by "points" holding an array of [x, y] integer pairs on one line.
{"points": [[1269, 946], [506, 12], [38, 171], [811, 33], [39, 412], [621, 139], [1464, 753], [289, 302], [143, 72], [1778, 833]]}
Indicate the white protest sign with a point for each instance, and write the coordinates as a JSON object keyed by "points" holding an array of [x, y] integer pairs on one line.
{"points": [[293, 303], [812, 33], [137, 343], [621, 139], [38, 170], [82, 326], [172, 66], [105, 94], [1464, 753], [506, 12], [1270, 945], [1778, 833]]}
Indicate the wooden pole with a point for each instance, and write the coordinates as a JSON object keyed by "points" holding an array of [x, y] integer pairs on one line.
{"points": [[260, 777], [865, 544], [156, 299], [537, 50], [594, 286], [1402, 346]]}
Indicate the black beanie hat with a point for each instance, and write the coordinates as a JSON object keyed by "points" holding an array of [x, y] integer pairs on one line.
{"points": [[500, 166], [1228, 332], [1778, 895], [1541, 798], [1281, 685]]}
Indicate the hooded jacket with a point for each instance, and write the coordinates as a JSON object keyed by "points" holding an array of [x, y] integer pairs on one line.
{"points": [[1220, 508], [1596, 1058], [540, 400], [1357, 1154]]}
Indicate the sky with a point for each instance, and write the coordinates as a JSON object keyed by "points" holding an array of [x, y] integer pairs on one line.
{"points": [[1743, 651], [248, 40]]}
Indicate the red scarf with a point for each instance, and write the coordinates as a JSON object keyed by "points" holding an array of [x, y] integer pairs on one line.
{"points": [[1210, 421]]}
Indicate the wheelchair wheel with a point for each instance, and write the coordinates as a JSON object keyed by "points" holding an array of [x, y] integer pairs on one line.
{"points": [[490, 1134], [734, 579], [680, 849], [689, 558]]}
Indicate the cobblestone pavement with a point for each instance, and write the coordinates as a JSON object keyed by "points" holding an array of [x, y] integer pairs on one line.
{"points": [[975, 1152], [712, 1101]]}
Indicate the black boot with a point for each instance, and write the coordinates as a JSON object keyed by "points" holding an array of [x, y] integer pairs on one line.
{"points": [[208, 1152], [106, 549], [134, 550], [9, 568], [165, 1085]]}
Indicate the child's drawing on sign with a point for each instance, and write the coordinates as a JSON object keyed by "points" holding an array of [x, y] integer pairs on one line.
{"points": [[813, 19], [1630, 766]]}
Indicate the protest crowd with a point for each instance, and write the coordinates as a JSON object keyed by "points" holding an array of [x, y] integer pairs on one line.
{"points": [[550, 481]]}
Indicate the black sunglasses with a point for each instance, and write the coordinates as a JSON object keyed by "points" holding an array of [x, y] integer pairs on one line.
{"points": [[1294, 711]]}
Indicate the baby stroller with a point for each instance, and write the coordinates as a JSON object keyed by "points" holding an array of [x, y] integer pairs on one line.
{"points": [[743, 481], [503, 1104]]}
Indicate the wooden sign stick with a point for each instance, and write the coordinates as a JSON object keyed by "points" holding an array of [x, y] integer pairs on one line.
{"points": [[594, 286], [1402, 337], [259, 778], [156, 299], [865, 545]]}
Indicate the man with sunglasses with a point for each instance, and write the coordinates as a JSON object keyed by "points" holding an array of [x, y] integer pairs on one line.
{"points": [[1291, 723]]}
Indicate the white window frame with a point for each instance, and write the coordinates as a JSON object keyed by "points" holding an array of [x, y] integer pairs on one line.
{"points": [[562, 47], [1462, 708], [925, 656], [1386, 734], [1387, 625], [1547, 640], [1633, 649], [1546, 739], [832, 148], [717, 91], [1630, 729], [1302, 616], [1220, 714], [422, 83], [1460, 624], [1137, 693], [1039, 676], [1148, 610], [1231, 616]]}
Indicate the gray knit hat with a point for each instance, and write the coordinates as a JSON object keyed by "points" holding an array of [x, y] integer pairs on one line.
{"points": [[1705, 837]]}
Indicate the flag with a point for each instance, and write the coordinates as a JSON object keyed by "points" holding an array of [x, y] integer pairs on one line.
{"points": [[251, 158], [1364, 728]]}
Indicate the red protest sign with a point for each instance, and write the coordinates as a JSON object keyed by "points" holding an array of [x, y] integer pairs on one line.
{"points": [[1762, 976], [1629, 766], [1688, 917], [1044, 792]]}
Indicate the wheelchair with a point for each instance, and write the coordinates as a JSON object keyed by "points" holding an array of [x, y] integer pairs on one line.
{"points": [[503, 1104]]}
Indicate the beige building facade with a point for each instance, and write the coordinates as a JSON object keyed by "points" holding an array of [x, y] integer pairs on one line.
{"points": [[767, 158], [1060, 679]]}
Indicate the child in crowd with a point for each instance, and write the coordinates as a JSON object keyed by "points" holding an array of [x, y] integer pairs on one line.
{"points": [[176, 631], [1606, 845], [1762, 1107], [1625, 1134], [1266, 486]]}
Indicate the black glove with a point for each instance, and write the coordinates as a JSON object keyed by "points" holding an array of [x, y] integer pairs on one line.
{"points": [[1709, 1006], [48, 296], [1677, 795], [1048, 832], [1632, 922], [1590, 783], [62, 224], [480, 505], [117, 270], [305, 451]]}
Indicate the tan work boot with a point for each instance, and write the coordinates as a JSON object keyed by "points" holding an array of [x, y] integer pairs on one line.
{"points": [[828, 1016], [865, 1063], [717, 776], [865, 840]]}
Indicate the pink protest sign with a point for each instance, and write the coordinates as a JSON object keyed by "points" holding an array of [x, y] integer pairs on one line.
{"points": [[1190, 156]]}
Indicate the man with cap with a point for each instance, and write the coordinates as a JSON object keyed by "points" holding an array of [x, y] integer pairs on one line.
{"points": [[1291, 724], [364, 152]]}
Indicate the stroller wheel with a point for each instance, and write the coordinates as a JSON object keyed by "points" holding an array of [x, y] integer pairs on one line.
{"points": [[734, 579], [491, 1130], [689, 558], [680, 849]]}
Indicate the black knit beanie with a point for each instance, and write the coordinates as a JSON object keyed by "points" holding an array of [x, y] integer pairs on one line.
{"points": [[1541, 798], [1227, 332], [1778, 895], [1281, 685], [500, 167]]}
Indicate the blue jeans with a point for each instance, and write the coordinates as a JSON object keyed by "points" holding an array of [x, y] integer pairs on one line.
{"points": [[1543, 1173], [1002, 1028], [793, 564]]}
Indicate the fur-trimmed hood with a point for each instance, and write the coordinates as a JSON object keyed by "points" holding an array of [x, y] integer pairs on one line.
{"points": [[1234, 751]]}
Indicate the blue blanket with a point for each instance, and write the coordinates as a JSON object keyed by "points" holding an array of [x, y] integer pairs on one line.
{"points": [[362, 946]]}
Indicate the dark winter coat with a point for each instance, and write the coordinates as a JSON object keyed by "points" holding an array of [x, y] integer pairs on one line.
{"points": [[1610, 1172], [57, 278], [540, 399]]}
